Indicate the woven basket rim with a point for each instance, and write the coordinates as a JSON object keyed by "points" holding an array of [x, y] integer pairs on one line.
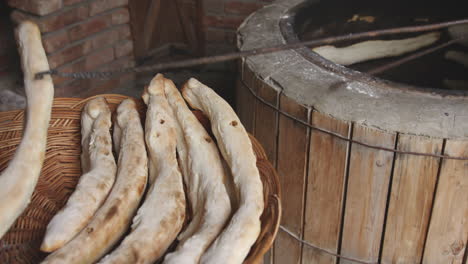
{"points": [[70, 107]]}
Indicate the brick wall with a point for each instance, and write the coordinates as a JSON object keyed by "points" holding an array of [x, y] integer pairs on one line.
{"points": [[221, 18], [82, 35]]}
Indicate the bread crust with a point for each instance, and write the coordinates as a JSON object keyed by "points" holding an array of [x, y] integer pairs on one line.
{"points": [[204, 182], [94, 185], [162, 214], [375, 49], [234, 243], [18, 180], [113, 218]]}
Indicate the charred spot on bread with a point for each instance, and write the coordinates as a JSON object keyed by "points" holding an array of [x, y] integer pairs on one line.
{"points": [[233, 123], [161, 121], [164, 224], [105, 141], [101, 186], [141, 188], [207, 139], [135, 254], [112, 211], [89, 230], [179, 196], [59, 256]]}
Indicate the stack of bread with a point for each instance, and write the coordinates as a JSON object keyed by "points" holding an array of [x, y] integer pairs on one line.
{"points": [[131, 208]]}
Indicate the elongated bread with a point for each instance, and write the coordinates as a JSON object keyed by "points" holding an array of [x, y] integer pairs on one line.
{"points": [[162, 214], [457, 56], [375, 49], [455, 84], [86, 129], [113, 218], [234, 243], [18, 180], [204, 183], [459, 31], [94, 186]]}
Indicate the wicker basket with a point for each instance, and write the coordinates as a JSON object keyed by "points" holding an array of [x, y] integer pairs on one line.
{"points": [[61, 171]]}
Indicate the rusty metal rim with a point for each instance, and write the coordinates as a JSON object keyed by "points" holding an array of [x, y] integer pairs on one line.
{"points": [[287, 24]]}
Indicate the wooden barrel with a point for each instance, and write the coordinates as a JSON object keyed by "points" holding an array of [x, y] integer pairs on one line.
{"points": [[358, 186]]}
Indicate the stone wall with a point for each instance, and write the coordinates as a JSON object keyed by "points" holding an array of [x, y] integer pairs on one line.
{"points": [[81, 35]]}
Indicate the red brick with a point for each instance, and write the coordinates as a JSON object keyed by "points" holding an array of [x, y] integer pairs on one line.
{"points": [[100, 6], [68, 17], [120, 16], [100, 87], [99, 57], [54, 21], [214, 35], [68, 54], [55, 41], [127, 77], [124, 49], [105, 38], [219, 48], [123, 62], [104, 85], [75, 66], [81, 48], [89, 27], [213, 6], [71, 2], [37, 7], [124, 32], [229, 22], [70, 89], [241, 8], [231, 37], [219, 35]]}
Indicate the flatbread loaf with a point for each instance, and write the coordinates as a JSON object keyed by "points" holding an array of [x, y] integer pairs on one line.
{"points": [[162, 214], [234, 243], [95, 185], [113, 218], [204, 183], [375, 49], [457, 56], [18, 180]]}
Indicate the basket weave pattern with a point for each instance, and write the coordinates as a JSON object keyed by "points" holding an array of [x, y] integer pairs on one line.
{"points": [[61, 171]]}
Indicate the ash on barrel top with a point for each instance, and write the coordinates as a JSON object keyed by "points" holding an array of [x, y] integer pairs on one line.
{"points": [[438, 69]]}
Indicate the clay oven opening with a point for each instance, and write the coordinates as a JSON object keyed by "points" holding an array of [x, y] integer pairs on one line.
{"points": [[362, 158], [440, 69]]}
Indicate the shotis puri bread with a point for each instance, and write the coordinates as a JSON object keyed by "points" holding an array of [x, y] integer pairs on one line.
{"points": [[162, 214], [113, 218], [18, 180], [234, 243], [375, 49], [94, 185], [204, 182]]}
